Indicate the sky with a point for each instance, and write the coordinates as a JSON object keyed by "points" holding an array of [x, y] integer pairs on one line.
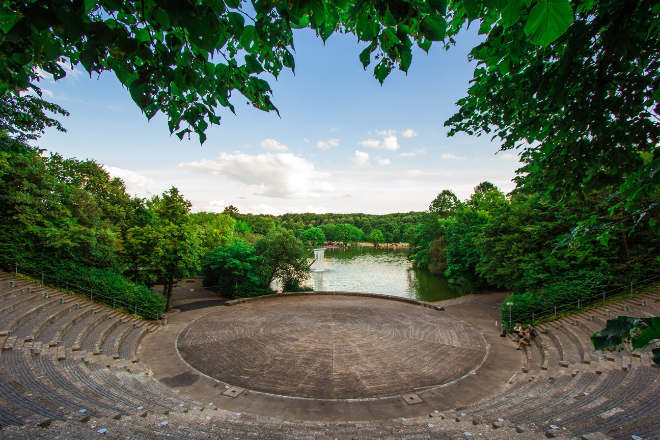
{"points": [[342, 143]]}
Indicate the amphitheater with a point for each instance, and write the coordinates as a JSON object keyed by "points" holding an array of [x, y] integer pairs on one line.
{"points": [[313, 366]]}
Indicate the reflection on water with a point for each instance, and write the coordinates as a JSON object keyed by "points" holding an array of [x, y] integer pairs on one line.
{"points": [[363, 269]]}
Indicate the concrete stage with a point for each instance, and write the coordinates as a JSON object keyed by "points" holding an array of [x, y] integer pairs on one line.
{"points": [[331, 356]]}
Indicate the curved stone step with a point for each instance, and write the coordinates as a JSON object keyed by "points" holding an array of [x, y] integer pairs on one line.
{"points": [[53, 316], [87, 337], [88, 400], [28, 314], [20, 370], [67, 333], [52, 333], [572, 347], [105, 334], [12, 391], [17, 310], [120, 338]]}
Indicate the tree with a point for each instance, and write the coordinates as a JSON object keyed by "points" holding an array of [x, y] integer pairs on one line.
{"points": [[281, 256], [186, 59], [347, 233], [23, 117], [583, 108], [177, 249], [214, 229], [486, 197], [313, 235], [232, 269], [375, 236], [444, 204]]}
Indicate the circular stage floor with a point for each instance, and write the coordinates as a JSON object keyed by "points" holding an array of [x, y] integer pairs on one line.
{"points": [[331, 346]]}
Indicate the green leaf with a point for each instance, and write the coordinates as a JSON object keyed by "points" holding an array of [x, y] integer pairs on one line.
{"points": [[252, 65], [424, 44], [434, 27], [406, 59], [89, 5], [649, 330], [367, 29], [472, 8], [381, 71], [548, 20], [615, 332], [511, 12], [365, 56], [8, 19], [439, 6]]}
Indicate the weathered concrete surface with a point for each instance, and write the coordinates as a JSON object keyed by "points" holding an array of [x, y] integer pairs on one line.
{"points": [[331, 347], [332, 358]]}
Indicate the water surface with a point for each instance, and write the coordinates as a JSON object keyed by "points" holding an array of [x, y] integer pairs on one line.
{"points": [[385, 271]]}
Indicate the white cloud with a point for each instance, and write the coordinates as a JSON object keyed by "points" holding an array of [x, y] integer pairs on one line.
{"points": [[136, 183], [383, 161], [390, 143], [449, 156], [273, 145], [509, 156], [360, 158], [283, 175], [326, 145], [408, 133], [414, 173], [384, 133]]}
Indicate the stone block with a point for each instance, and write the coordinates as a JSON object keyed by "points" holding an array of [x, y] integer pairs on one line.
{"points": [[84, 418], [233, 392], [551, 433], [412, 399], [116, 416], [563, 364], [497, 424], [521, 428], [478, 420]]}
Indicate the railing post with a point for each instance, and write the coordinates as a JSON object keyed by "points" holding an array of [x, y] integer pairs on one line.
{"points": [[603, 297], [555, 311], [16, 272], [113, 303], [135, 309], [578, 303], [42, 278], [91, 295], [533, 317]]}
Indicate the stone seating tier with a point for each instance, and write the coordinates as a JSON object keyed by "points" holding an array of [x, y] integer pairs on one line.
{"points": [[47, 390]]}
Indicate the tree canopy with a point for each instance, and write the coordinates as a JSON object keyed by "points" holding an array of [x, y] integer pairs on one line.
{"points": [[187, 58]]}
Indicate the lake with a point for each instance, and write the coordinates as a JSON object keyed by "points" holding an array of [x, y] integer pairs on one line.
{"points": [[369, 270]]}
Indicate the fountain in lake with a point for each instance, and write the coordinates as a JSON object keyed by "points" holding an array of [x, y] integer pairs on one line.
{"points": [[317, 265]]}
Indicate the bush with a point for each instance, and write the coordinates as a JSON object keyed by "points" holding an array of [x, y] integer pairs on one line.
{"points": [[106, 285], [563, 293]]}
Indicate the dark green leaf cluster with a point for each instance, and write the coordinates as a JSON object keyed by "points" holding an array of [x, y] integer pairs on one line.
{"points": [[583, 107], [638, 332]]}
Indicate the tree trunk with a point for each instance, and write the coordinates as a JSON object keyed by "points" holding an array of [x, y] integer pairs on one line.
{"points": [[168, 292]]}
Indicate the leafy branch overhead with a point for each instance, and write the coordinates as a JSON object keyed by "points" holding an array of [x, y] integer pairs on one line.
{"points": [[639, 332], [188, 58]]}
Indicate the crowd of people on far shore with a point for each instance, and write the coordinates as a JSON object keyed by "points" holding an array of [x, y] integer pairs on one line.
{"points": [[524, 335]]}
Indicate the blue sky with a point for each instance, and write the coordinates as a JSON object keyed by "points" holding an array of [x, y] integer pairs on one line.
{"points": [[343, 143]]}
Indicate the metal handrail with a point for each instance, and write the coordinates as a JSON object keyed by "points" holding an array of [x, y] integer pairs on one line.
{"points": [[87, 291], [576, 305]]}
